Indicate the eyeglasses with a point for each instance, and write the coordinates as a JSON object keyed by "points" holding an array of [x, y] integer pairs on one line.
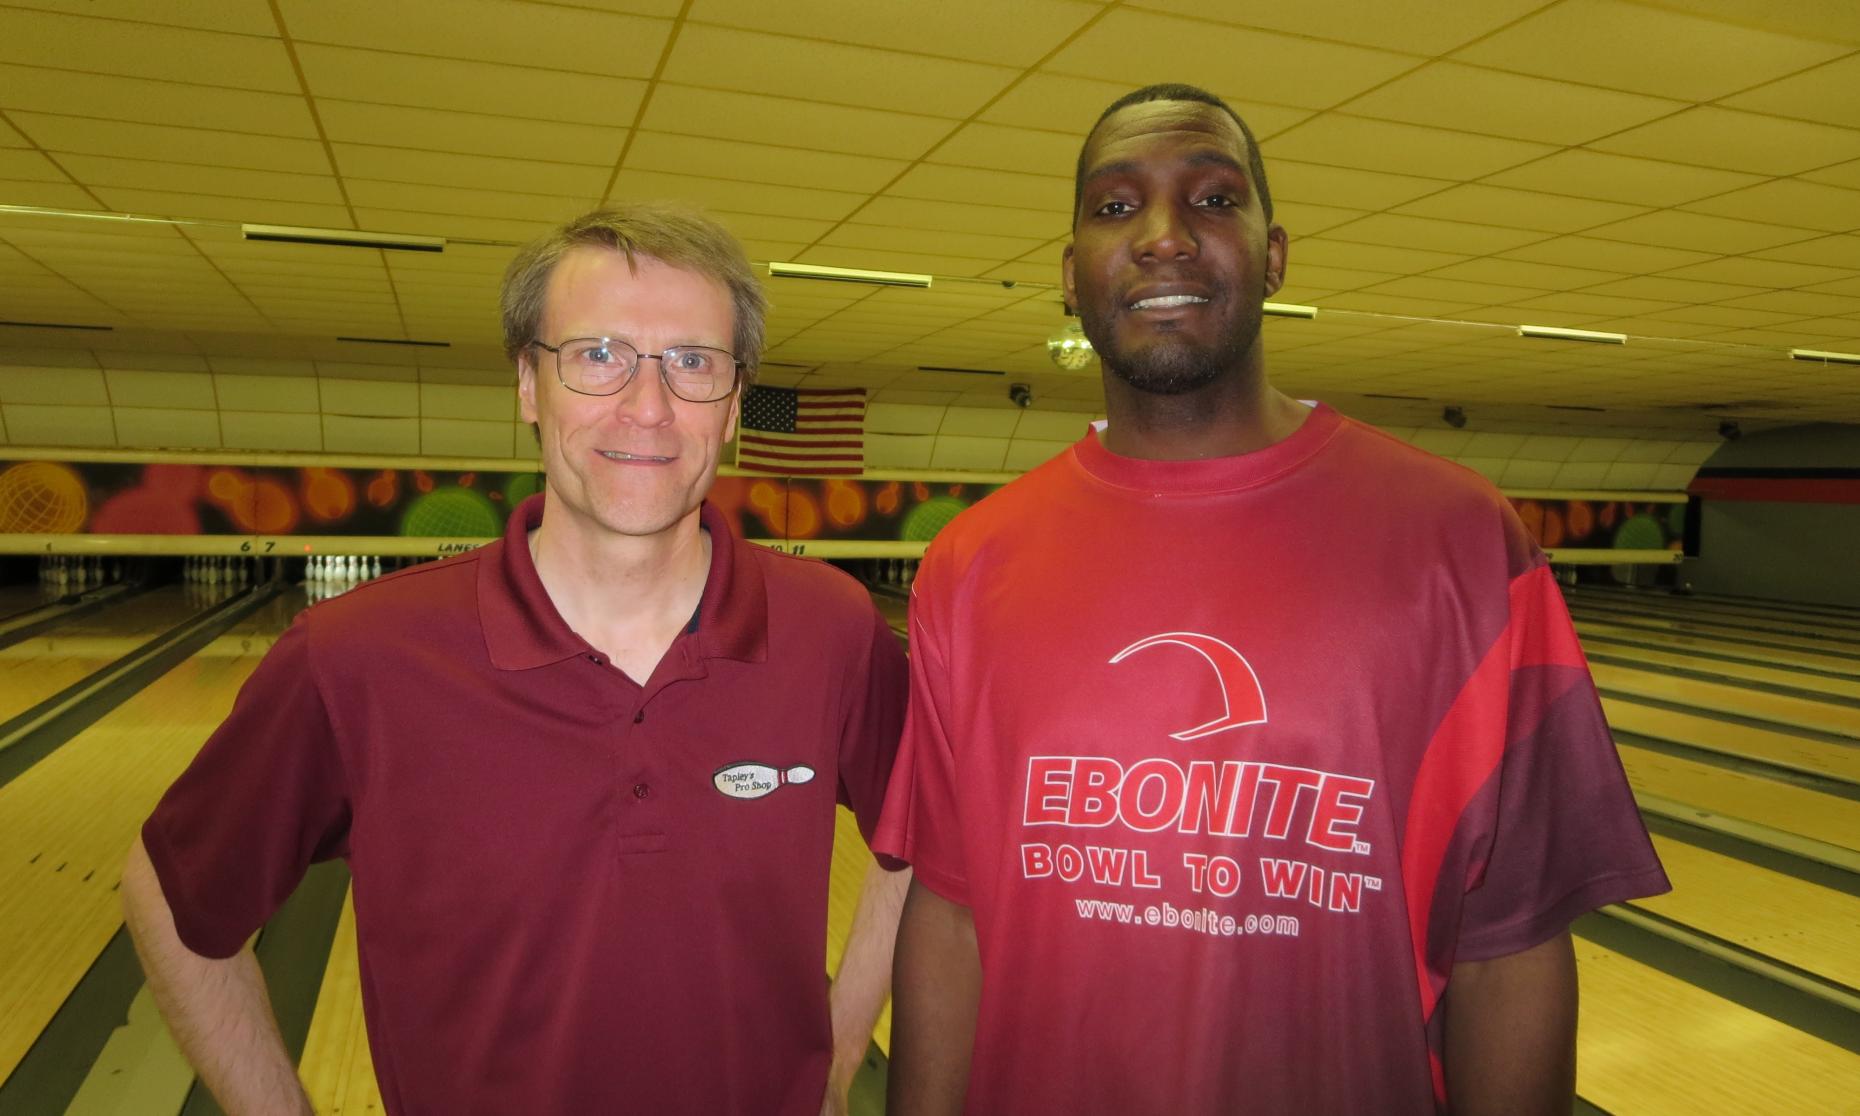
{"points": [[604, 366]]}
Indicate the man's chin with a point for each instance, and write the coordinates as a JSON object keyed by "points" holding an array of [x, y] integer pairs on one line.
{"points": [[1173, 373]]}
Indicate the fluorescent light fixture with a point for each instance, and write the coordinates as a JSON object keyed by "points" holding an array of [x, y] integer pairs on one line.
{"points": [[344, 238], [1288, 310], [848, 275], [1558, 333], [1824, 357]]}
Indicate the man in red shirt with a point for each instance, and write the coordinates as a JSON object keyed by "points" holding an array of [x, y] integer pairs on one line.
{"points": [[584, 776], [1251, 764]]}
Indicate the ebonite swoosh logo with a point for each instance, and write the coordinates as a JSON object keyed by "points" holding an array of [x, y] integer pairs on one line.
{"points": [[1244, 703]]}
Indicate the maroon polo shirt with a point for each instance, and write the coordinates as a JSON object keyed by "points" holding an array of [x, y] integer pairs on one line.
{"points": [[573, 893]]}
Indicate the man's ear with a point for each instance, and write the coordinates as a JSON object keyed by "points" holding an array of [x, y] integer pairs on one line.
{"points": [[1277, 246], [526, 385], [1066, 280]]}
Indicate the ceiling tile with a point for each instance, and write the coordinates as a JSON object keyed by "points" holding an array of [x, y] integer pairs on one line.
{"points": [[28, 166], [154, 102], [1521, 209], [1342, 186], [1593, 174], [1369, 257], [959, 184], [147, 51], [1416, 26], [482, 171], [445, 200], [444, 83], [785, 166], [1491, 102], [915, 213], [1831, 251], [1424, 232], [1016, 34], [1022, 150], [1646, 50], [862, 76], [1304, 219], [1674, 290], [52, 195], [1834, 21], [1302, 72], [750, 118], [1394, 304], [1714, 137], [1791, 202], [1069, 104], [1838, 174], [1758, 273], [1351, 141], [143, 174], [1674, 229], [482, 30], [1475, 294], [1611, 305], [975, 245], [88, 136], [1806, 303], [1829, 94], [735, 195], [268, 211], [469, 133]]}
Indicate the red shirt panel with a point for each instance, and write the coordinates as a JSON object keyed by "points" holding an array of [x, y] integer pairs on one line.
{"points": [[558, 907]]}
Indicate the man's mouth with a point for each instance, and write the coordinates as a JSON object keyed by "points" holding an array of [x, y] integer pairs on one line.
{"points": [[645, 458], [1166, 302]]}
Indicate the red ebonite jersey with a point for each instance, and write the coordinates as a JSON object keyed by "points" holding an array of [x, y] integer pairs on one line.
{"points": [[1234, 759]]}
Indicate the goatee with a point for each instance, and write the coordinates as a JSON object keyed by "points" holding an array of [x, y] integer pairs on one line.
{"points": [[1174, 365]]}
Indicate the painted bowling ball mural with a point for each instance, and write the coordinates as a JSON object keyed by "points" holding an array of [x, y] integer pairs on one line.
{"points": [[1640, 532], [922, 522], [452, 513], [42, 498], [328, 494], [519, 487]]}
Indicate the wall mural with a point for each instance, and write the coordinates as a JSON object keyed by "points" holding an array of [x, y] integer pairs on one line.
{"points": [[107, 498]]}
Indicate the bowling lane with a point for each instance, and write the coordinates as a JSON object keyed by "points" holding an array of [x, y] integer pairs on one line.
{"points": [[1845, 665], [15, 599], [1780, 709], [1653, 1045], [1715, 734], [66, 822], [1705, 608], [1764, 635], [1780, 806], [36, 668], [1790, 920], [1843, 688]]}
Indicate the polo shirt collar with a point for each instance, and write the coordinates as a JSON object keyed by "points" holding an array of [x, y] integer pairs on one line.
{"points": [[522, 628]]}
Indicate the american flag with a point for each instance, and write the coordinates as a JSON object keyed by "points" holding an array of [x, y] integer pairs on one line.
{"points": [[795, 430]]}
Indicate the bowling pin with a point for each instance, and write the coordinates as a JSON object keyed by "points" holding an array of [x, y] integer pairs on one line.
{"points": [[753, 780]]}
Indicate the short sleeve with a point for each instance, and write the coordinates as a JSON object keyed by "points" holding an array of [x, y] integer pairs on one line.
{"points": [[921, 825], [874, 718], [1567, 837], [263, 800]]}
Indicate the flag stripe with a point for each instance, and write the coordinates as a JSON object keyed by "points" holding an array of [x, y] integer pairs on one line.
{"points": [[789, 430]]}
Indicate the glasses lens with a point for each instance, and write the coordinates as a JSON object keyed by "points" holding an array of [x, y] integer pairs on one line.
{"points": [[698, 374], [596, 365]]}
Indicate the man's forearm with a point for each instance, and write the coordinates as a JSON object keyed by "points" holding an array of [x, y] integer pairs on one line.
{"points": [[217, 1009], [1511, 1033], [864, 979], [935, 995]]}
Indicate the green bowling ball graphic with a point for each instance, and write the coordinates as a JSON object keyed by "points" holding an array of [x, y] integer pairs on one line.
{"points": [[1640, 532], [452, 513], [922, 522], [519, 487]]}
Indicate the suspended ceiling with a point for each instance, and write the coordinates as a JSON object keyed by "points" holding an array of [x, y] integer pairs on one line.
{"points": [[1686, 173]]}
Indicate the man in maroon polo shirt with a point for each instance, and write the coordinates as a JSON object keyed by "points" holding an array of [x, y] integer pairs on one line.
{"points": [[584, 777]]}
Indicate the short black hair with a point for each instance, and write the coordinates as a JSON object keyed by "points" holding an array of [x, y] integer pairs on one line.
{"points": [[1175, 91]]}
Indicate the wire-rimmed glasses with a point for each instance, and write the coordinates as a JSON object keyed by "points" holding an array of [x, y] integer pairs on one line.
{"points": [[605, 366]]}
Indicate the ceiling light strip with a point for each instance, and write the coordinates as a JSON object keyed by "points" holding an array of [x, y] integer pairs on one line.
{"points": [[343, 238], [848, 275], [1288, 310], [1558, 333], [1823, 357]]}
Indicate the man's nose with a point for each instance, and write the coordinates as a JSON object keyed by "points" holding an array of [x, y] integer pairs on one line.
{"points": [[1164, 234], [646, 400]]}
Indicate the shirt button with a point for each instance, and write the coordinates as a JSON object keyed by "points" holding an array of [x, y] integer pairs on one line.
{"points": [[641, 790], [595, 659], [639, 718]]}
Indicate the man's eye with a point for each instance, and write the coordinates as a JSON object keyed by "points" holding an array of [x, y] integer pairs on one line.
{"points": [[1114, 208], [1218, 201], [597, 356]]}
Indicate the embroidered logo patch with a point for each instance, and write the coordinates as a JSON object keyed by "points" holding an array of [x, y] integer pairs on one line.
{"points": [[753, 780]]}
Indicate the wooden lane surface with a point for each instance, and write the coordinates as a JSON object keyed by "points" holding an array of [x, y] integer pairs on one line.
{"points": [[66, 822], [1764, 675], [1775, 746], [1846, 665], [1709, 609], [35, 669], [1754, 633], [338, 1071], [1793, 921], [1653, 1045], [15, 599], [1783, 806], [1727, 697]]}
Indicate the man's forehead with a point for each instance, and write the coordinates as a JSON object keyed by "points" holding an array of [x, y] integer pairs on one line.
{"points": [[1186, 119]]}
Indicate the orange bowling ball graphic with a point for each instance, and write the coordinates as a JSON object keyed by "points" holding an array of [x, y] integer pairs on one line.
{"points": [[845, 504], [328, 494], [261, 505], [42, 498]]}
